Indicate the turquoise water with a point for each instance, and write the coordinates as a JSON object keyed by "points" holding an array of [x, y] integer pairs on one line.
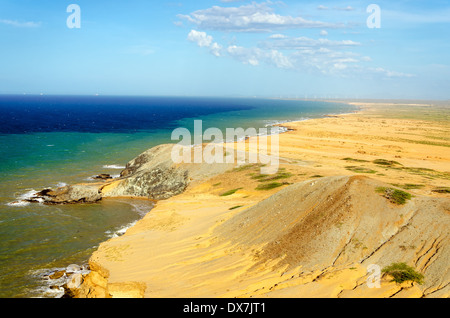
{"points": [[36, 238]]}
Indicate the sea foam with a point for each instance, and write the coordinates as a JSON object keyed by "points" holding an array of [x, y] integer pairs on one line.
{"points": [[113, 167], [22, 200]]}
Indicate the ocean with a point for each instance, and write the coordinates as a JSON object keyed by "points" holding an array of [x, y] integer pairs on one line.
{"points": [[50, 141]]}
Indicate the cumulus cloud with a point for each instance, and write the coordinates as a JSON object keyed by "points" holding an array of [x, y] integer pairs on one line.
{"points": [[301, 54], [256, 56], [204, 40], [201, 38], [255, 17]]}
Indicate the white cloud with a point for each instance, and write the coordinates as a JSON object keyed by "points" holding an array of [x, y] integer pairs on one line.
{"points": [[216, 49], [255, 17], [256, 56], [18, 24], [348, 8], [300, 54], [277, 36], [301, 42], [388, 73], [305, 55], [201, 38], [204, 40]]}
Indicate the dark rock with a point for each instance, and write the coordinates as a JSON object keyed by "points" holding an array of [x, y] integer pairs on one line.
{"points": [[80, 193], [103, 176], [57, 274], [45, 192], [68, 293]]}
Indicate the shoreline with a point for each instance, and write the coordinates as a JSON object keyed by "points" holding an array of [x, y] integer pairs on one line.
{"points": [[126, 227], [194, 194]]}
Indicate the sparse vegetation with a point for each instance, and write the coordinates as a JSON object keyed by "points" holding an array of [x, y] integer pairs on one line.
{"points": [[266, 177], [360, 169], [408, 186], [270, 186], [230, 192], [426, 172], [235, 207], [441, 190], [355, 160], [384, 162], [395, 196], [317, 176], [401, 272], [246, 167]]}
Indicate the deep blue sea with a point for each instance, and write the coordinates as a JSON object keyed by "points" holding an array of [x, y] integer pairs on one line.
{"points": [[50, 141]]}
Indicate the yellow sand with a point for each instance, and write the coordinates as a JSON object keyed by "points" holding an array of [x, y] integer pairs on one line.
{"points": [[174, 252]]}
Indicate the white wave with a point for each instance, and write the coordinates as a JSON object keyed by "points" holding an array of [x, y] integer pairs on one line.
{"points": [[22, 200], [53, 288], [113, 167], [28, 195], [121, 231], [18, 203]]}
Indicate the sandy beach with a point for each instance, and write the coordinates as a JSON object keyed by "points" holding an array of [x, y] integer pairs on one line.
{"points": [[314, 233]]}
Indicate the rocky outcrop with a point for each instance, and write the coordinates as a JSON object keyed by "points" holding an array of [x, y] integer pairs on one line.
{"points": [[155, 176], [152, 175], [79, 193]]}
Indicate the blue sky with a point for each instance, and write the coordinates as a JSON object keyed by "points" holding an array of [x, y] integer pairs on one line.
{"points": [[227, 48]]}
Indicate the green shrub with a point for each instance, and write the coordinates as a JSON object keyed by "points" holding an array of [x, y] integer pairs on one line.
{"points": [[409, 186], [355, 160], [384, 162], [360, 169], [441, 190], [230, 192], [394, 195], [401, 272], [266, 177], [270, 186]]}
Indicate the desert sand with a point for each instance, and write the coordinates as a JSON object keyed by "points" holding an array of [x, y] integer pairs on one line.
{"points": [[314, 235]]}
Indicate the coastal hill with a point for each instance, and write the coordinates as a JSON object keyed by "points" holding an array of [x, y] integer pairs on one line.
{"points": [[354, 194]]}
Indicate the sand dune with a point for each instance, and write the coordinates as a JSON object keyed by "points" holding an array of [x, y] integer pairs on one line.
{"points": [[332, 216]]}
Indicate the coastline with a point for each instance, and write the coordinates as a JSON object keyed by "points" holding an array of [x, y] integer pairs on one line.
{"points": [[173, 218]]}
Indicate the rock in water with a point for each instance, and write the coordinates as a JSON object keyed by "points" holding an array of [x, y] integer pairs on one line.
{"points": [[153, 175], [75, 281], [78, 193]]}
